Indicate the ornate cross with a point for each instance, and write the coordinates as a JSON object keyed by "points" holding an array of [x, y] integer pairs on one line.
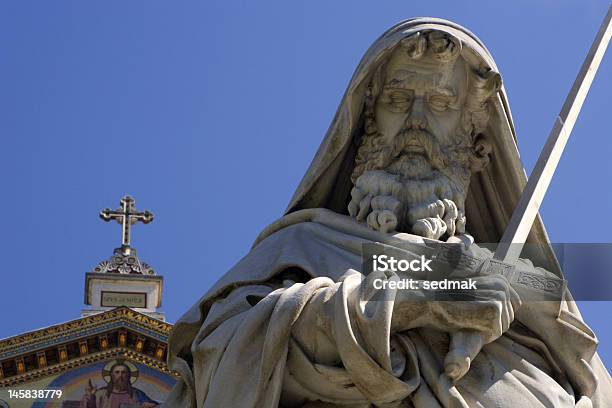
{"points": [[126, 216]]}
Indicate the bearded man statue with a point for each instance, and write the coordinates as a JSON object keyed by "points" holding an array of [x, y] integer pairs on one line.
{"points": [[422, 151]]}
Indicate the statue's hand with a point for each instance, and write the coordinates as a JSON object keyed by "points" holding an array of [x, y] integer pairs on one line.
{"points": [[488, 309], [471, 323]]}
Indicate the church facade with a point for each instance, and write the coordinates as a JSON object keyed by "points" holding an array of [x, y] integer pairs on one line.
{"points": [[113, 355]]}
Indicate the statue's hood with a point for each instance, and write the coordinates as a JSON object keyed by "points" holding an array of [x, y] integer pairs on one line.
{"points": [[493, 192]]}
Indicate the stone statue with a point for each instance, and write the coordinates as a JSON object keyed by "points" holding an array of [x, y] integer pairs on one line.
{"points": [[421, 151]]}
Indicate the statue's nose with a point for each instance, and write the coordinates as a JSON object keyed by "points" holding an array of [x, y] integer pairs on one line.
{"points": [[416, 118]]}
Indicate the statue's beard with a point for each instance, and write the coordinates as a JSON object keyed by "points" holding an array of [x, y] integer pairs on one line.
{"points": [[415, 155], [424, 186]]}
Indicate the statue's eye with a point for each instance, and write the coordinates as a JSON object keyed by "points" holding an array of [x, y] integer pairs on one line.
{"points": [[399, 100], [439, 103]]}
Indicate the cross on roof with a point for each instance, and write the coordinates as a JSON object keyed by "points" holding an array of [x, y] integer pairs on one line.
{"points": [[126, 216]]}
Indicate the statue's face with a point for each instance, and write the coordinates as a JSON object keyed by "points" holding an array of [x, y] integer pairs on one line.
{"points": [[419, 150], [418, 179], [421, 95]]}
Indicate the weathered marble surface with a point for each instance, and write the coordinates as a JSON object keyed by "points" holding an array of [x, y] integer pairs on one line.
{"points": [[422, 150]]}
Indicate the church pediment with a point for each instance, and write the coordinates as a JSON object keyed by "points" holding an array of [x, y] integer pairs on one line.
{"points": [[118, 333]]}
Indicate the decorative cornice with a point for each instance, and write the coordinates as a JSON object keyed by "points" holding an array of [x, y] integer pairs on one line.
{"points": [[84, 327], [120, 352]]}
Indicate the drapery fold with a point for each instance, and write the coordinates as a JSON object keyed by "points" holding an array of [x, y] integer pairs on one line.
{"points": [[238, 346]]}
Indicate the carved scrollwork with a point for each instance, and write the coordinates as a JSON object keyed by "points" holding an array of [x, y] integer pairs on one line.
{"points": [[124, 263]]}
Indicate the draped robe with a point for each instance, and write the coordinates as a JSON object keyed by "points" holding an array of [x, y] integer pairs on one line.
{"points": [[282, 329]]}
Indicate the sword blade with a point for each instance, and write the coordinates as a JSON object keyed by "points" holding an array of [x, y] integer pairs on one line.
{"points": [[520, 223]]}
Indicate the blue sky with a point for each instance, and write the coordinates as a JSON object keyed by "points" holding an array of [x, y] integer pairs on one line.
{"points": [[209, 113]]}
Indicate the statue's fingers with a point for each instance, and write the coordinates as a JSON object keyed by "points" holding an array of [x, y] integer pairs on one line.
{"points": [[357, 194], [373, 220], [503, 322], [393, 204], [460, 224], [507, 311], [364, 207], [377, 203], [515, 299], [450, 209], [352, 209], [450, 216], [451, 227], [506, 315], [418, 212], [387, 221], [436, 209], [439, 227], [382, 203], [429, 227], [356, 197], [497, 291], [513, 302], [423, 228], [464, 347]]}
